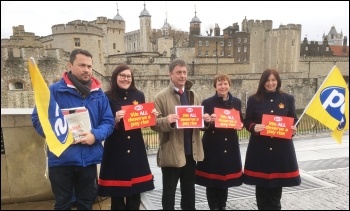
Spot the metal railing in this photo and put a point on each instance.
(307, 125)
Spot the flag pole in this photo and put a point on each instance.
(314, 95)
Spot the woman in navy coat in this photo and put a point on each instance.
(222, 166)
(270, 162)
(125, 171)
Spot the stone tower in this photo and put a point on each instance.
(145, 30)
(195, 28)
(333, 37)
(258, 32)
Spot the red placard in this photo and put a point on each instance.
(277, 126)
(190, 116)
(138, 116)
(227, 118)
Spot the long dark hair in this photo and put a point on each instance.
(260, 93)
(114, 89)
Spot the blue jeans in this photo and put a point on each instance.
(83, 179)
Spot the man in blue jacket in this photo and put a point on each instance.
(76, 167)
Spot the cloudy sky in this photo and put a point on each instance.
(316, 18)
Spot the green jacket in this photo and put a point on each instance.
(171, 152)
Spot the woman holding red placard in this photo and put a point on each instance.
(270, 162)
(125, 172)
(222, 166)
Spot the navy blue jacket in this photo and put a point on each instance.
(125, 170)
(270, 162)
(222, 166)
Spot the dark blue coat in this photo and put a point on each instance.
(125, 170)
(222, 166)
(270, 161)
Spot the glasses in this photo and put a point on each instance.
(123, 76)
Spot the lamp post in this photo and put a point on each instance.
(192, 67)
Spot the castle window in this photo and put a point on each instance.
(200, 43)
(239, 59)
(229, 43)
(16, 85)
(77, 42)
(245, 49)
(229, 53)
(114, 45)
(292, 42)
(239, 40)
(327, 48)
(244, 59)
(206, 43)
(214, 53)
(306, 48)
(99, 44)
(238, 49)
(221, 43)
(199, 53)
(206, 53)
(222, 53)
(245, 40)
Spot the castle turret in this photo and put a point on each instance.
(195, 28)
(145, 30)
(117, 17)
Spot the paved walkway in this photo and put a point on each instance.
(324, 167)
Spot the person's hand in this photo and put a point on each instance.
(119, 115)
(172, 118)
(239, 127)
(206, 117)
(259, 127)
(213, 117)
(155, 112)
(85, 138)
(294, 128)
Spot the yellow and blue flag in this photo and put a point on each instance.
(330, 105)
(55, 126)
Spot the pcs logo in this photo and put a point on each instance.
(333, 101)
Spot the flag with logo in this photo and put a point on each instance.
(330, 105)
(55, 127)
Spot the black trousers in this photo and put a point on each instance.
(171, 176)
(268, 198)
(126, 203)
(216, 198)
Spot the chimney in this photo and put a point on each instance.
(345, 43)
(217, 30)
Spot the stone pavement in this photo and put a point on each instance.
(324, 167)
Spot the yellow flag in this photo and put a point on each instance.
(330, 105)
(55, 127)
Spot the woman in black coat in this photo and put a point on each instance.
(270, 162)
(222, 166)
(125, 171)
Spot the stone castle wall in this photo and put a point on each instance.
(153, 76)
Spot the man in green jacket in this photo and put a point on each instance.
(179, 149)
